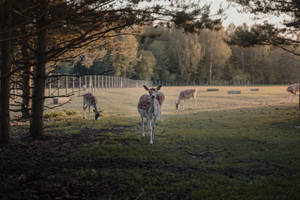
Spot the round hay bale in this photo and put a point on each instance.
(234, 92)
(61, 100)
(254, 89)
(212, 89)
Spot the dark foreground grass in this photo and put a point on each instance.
(251, 153)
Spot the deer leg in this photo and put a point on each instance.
(150, 127)
(142, 125)
(291, 97)
(84, 111)
(160, 116)
(89, 112)
(182, 106)
(153, 128)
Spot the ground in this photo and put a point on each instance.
(239, 146)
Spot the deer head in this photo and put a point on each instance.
(152, 91)
(177, 105)
(97, 114)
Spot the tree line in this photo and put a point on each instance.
(171, 54)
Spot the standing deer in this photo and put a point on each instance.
(185, 95)
(90, 100)
(149, 107)
(293, 89)
(160, 96)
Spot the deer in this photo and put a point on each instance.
(90, 100)
(292, 90)
(185, 95)
(149, 107)
(160, 96)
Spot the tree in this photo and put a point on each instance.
(216, 53)
(178, 54)
(6, 24)
(144, 68)
(285, 38)
(39, 76)
(124, 55)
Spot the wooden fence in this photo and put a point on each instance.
(69, 84)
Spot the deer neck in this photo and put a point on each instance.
(152, 107)
(95, 107)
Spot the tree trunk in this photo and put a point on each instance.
(5, 69)
(39, 77)
(26, 92)
(26, 78)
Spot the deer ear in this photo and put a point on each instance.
(158, 87)
(146, 88)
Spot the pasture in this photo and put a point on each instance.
(226, 146)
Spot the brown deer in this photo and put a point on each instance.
(90, 100)
(149, 107)
(185, 95)
(292, 90)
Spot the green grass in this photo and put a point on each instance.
(226, 147)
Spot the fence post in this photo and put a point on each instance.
(79, 84)
(299, 94)
(109, 82)
(49, 86)
(112, 82)
(73, 84)
(89, 82)
(67, 81)
(94, 82)
(58, 85)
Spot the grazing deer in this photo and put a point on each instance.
(149, 107)
(292, 90)
(185, 95)
(90, 100)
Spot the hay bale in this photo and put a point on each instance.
(234, 92)
(212, 89)
(61, 100)
(254, 89)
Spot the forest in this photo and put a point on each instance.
(171, 54)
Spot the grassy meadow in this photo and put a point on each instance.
(226, 146)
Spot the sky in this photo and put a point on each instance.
(238, 18)
(231, 11)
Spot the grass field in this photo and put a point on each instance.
(241, 146)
